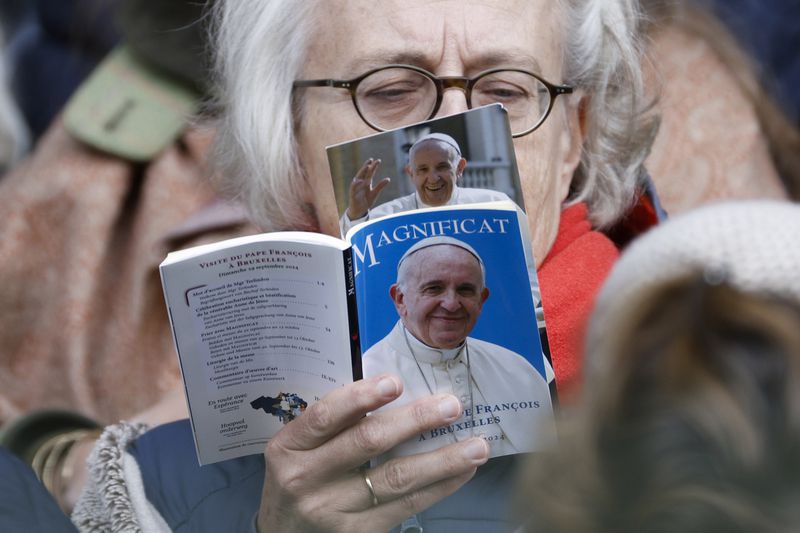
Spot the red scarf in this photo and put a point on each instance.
(569, 278)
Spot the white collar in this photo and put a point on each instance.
(427, 354)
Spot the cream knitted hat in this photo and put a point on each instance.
(754, 244)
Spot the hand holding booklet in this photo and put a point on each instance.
(443, 294)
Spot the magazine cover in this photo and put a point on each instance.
(262, 326)
(445, 300)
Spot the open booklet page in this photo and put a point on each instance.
(447, 299)
(263, 328)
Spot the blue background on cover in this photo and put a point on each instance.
(508, 317)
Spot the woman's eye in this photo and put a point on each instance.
(394, 90)
(503, 92)
(391, 94)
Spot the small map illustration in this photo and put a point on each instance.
(286, 406)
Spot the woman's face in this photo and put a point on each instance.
(448, 38)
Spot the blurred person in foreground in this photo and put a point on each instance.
(691, 418)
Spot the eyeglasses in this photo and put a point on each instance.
(397, 95)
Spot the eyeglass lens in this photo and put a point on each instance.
(396, 97)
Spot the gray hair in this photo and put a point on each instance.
(256, 61)
(603, 57)
(260, 50)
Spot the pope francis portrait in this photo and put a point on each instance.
(439, 295)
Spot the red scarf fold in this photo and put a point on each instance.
(570, 278)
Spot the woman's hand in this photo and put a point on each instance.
(362, 193)
(313, 481)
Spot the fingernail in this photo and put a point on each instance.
(476, 450)
(449, 408)
(387, 387)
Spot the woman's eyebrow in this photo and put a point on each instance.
(518, 58)
(380, 58)
(510, 58)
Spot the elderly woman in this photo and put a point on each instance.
(299, 76)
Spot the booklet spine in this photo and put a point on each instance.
(163, 274)
(352, 313)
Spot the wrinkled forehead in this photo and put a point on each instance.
(447, 37)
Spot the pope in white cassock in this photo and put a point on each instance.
(435, 166)
(439, 294)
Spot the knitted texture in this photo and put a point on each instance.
(105, 504)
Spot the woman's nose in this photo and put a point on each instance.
(454, 100)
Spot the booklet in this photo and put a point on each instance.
(446, 297)
(264, 326)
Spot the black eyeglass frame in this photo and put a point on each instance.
(442, 83)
